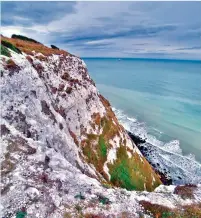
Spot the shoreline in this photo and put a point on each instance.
(173, 168)
(138, 142)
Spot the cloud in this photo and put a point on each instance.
(29, 13)
(109, 28)
(191, 48)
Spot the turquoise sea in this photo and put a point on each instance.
(158, 98)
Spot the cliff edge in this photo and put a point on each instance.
(60, 140)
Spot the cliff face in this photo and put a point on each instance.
(59, 135)
(63, 152)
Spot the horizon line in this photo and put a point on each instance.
(146, 58)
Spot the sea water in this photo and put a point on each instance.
(156, 99)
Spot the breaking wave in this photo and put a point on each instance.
(167, 157)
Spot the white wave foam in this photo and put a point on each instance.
(173, 146)
(183, 169)
(131, 124)
(139, 129)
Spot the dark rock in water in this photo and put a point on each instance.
(136, 139)
(166, 180)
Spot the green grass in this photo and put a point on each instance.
(97, 153)
(102, 147)
(4, 51)
(10, 46)
(21, 214)
(131, 173)
(121, 173)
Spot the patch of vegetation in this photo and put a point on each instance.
(4, 51)
(185, 191)
(107, 185)
(10, 46)
(65, 76)
(29, 59)
(80, 196)
(74, 137)
(92, 215)
(22, 213)
(7, 165)
(41, 58)
(69, 90)
(67, 215)
(12, 67)
(102, 147)
(132, 173)
(159, 211)
(95, 149)
(96, 118)
(14, 36)
(90, 151)
(28, 46)
(11, 64)
(103, 200)
(78, 208)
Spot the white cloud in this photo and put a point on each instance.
(121, 28)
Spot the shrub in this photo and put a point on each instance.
(80, 196)
(69, 90)
(7, 166)
(54, 47)
(61, 87)
(24, 38)
(103, 200)
(4, 51)
(11, 46)
(21, 214)
(65, 76)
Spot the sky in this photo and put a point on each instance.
(109, 29)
